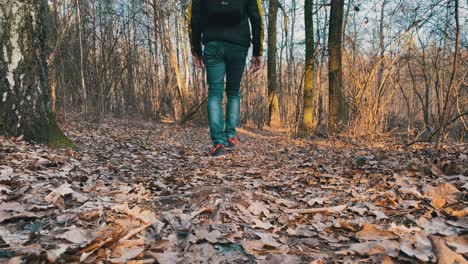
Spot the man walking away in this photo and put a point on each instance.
(223, 28)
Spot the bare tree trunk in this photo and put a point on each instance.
(447, 102)
(82, 75)
(273, 102)
(181, 91)
(308, 119)
(336, 90)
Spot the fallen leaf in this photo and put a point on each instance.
(444, 254)
(5, 173)
(256, 208)
(436, 226)
(417, 245)
(438, 202)
(166, 257)
(316, 200)
(370, 232)
(13, 210)
(359, 210)
(385, 247)
(77, 236)
(211, 237)
(126, 254)
(457, 213)
(281, 259)
(444, 191)
(266, 244)
(54, 254)
(13, 239)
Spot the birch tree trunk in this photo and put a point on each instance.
(24, 104)
(24, 92)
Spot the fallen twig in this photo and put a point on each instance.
(329, 210)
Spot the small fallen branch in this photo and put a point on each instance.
(327, 210)
(134, 232)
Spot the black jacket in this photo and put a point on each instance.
(202, 30)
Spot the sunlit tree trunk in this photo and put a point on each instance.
(273, 102)
(308, 119)
(335, 78)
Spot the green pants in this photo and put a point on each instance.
(223, 61)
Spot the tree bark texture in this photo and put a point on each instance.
(308, 119)
(273, 102)
(336, 91)
(24, 94)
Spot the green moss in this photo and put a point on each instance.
(56, 137)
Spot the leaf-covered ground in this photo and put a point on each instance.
(148, 193)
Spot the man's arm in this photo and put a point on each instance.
(194, 17)
(255, 12)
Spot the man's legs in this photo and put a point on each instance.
(235, 65)
(213, 56)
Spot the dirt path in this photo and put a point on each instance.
(146, 192)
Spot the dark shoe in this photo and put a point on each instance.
(232, 143)
(218, 150)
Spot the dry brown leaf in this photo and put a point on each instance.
(316, 200)
(281, 259)
(370, 232)
(385, 247)
(5, 173)
(348, 225)
(13, 239)
(285, 202)
(77, 235)
(444, 190)
(266, 244)
(438, 202)
(417, 245)
(260, 224)
(359, 210)
(302, 230)
(54, 254)
(259, 247)
(211, 237)
(13, 210)
(436, 226)
(458, 247)
(387, 260)
(57, 196)
(166, 257)
(457, 213)
(125, 254)
(161, 245)
(256, 208)
(458, 243)
(444, 254)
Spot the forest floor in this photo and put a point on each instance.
(136, 192)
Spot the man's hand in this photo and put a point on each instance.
(197, 60)
(256, 63)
